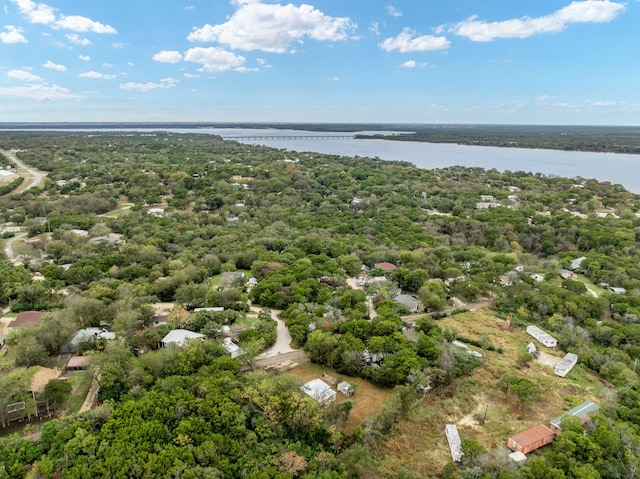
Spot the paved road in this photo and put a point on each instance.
(37, 176)
(283, 340)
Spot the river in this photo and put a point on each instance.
(614, 167)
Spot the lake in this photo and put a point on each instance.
(615, 167)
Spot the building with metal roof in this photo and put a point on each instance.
(531, 439)
(583, 412)
(565, 365)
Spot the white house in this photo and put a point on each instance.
(320, 391)
(180, 337)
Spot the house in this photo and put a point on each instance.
(385, 266)
(486, 205)
(565, 365)
(576, 264)
(230, 278)
(78, 363)
(109, 239)
(157, 212)
(27, 319)
(455, 444)
(320, 391)
(180, 337)
(411, 302)
(41, 378)
(583, 412)
(372, 358)
(566, 274)
(546, 339)
(531, 348)
(531, 439)
(84, 336)
(505, 281)
(537, 277)
(232, 347)
(620, 291)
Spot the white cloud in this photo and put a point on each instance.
(146, 87)
(98, 75)
(54, 66)
(214, 59)
(45, 14)
(84, 58)
(588, 11)
(41, 92)
(413, 64)
(12, 35)
(406, 42)
(374, 28)
(334, 78)
(273, 27)
(190, 8)
(168, 56)
(36, 12)
(78, 23)
(393, 11)
(191, 75)
(119, 45)
(78, 40)
(23, 75)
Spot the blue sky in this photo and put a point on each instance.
(404, 61)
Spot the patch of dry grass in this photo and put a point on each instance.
(367, 400)
(419, 444)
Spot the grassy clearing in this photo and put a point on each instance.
(419, 444)
(587, 282)
(367, 400)
(81, 383)
(122, 209)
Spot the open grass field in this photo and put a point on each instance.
(367, 400)
(419, 444)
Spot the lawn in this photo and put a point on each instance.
(367, 399)
(420, 446)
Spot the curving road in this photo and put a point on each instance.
(12, 257)
(283, 340)
(37, 176)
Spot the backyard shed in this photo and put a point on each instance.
(541, 336)
(345, 388)
(565, 365)
(583, 412)
(455, 444)
(320, 391)
(79, 363)
(531, 439)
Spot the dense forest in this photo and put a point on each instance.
(124, 222)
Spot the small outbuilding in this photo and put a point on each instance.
(620, 291)
(455, 444)
(320, 391)
(345, 388)
(583, 412)
(517, 457)
(385, 266)
(531, 439)
(411, 302)
(232, 347)
(541, 336)
(78, 363)
(565, 365)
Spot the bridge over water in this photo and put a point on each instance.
(288, 137)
